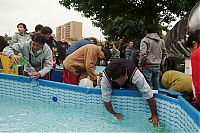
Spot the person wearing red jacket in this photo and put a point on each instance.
(193, 43)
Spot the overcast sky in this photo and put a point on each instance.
(46, 12)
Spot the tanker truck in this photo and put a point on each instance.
(175, 40)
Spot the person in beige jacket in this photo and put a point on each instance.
(81, 63)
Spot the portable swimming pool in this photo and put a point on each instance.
(51, 106)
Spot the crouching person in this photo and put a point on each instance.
(179, 82)
(120, 74)
(36, 52)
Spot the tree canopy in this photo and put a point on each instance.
(129, 18)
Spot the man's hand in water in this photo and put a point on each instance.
(118, 116)
(154, 119)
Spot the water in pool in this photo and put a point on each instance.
(18, 115)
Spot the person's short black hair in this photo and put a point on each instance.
(92, 40)
(193, 36)
(107, 53)
(39, 38)
(116, 69)
(23, 26)
(3, 43)
(152, 28)
(38, 27)
(46, 30)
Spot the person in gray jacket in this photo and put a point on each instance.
(22, 35)
(19, 37)
(152, 54)
(36, 52)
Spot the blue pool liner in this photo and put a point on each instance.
(179, 100)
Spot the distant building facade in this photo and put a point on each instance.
(71, 31)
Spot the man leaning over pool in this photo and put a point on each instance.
(127, 74)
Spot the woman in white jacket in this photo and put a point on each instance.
(21, 35)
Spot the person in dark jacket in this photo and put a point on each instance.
(62, 47)
(115, 53)
(122, 47)
(131, 53)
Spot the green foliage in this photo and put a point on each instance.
(7, 38)
(129, 18)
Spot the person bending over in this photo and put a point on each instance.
(36, 52)
(126, 75)
(82, 63)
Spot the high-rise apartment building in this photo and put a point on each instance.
(69, 31)
(58, 33)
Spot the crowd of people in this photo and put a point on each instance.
(39, 48)
(136, 68)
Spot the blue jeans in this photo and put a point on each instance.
(152, 75)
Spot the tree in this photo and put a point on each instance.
(129, 17)
(8, 38)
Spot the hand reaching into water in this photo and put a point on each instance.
(36, 75)
(109, 108)
(118, 116)
(154, 119)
